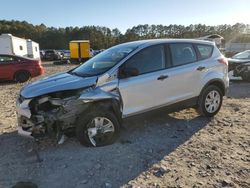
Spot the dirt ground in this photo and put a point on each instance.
(179, 149)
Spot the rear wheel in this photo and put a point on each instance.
(22, 76)
(97, 128)
(210, 101)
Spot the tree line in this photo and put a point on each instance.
(104, 37)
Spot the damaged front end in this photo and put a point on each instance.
(50, 114)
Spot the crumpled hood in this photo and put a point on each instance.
(57, 82)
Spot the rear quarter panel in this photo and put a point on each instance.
(215, 71)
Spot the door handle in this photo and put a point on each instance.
(201, 68)
(162, 77)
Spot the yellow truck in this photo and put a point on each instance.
(79, 50)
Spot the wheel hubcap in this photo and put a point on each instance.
(212, 101)
(100, 129)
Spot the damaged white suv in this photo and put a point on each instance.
(123, 81)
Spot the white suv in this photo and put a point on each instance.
(122, 81)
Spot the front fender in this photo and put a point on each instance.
(106, 91)
(106, 96)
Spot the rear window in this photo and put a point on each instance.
(204, 50)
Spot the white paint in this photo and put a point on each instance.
(12, 45)
(33, 49)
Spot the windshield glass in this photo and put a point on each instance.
(104, 61)
(242, 55)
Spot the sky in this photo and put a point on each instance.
(124, 14)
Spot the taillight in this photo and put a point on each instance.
(36, 63)
(223, 61)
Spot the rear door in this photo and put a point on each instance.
(184, 75)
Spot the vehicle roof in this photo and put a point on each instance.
(160, 41)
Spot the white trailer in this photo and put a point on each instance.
(33, 49)
(12, 45)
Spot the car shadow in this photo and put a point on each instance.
(239, 89)
(3, 83)
(144, 141)
(14, 83)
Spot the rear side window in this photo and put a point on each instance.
(205, 51)
(148, 60)
(182, 54)
(6, 59)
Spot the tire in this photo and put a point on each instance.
(207, 108)
(22, 76)
(85, 128)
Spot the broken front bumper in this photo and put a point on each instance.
(60, 116)
(24, 126)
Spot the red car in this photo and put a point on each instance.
(19, 68)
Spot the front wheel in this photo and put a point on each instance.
(97, 128)
(210, 101)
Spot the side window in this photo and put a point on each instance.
(148, 60)
(182, 54)
(6, 59)
(204, 50)
(21, 47)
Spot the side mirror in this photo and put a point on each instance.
(128, 72)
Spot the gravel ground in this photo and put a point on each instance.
(179, 149)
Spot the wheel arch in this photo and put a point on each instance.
(21, 70)
(217, 82)
(108, 104)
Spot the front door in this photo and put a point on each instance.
(148, 89)
(185, 73)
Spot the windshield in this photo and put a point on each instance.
(104, 61)
(242, 55)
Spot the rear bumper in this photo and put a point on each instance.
(37, 71)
